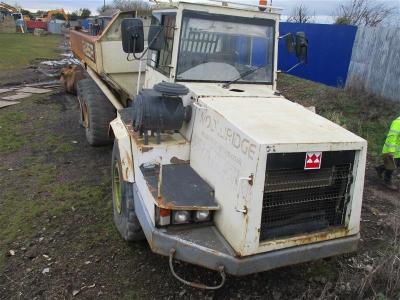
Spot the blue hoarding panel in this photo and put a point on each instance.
(254, 48)
(329, 52)
(85, 24)
(259, 59)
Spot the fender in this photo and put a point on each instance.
(125, 149)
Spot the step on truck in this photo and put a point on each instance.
(211, 165)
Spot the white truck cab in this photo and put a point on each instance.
(211, 164)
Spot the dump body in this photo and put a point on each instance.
(104, 55)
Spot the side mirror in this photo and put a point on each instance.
(290, 43)
(132, 35)
(302, 47)
(156, 37)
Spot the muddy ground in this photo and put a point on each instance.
(57, 239)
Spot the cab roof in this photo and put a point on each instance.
(226, 5)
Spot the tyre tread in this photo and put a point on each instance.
(101, 112)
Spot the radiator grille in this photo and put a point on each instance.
(298, 201)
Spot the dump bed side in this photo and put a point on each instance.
(83, 47)
(105, 56)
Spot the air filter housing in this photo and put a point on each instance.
(160, 109)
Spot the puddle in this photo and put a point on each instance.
(62, 62)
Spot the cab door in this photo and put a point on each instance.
(159, 63)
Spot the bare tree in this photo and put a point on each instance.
(141, 6)
(363, 13)
(301, 14)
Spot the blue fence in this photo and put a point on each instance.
(329, 52)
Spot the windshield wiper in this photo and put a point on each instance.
(241, 76)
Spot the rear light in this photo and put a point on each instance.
(163, 216)
(165, 212)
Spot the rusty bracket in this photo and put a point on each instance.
(242, 210)
(250, 181)
(195, 284)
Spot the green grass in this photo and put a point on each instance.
(48, 198)
(12, 136)
(54, 143)
(357, 111)
(35, 190)
(20, 50)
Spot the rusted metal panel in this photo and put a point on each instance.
(104, 54)
(125, 149)
(303, 239)
(207, 247)
(83, 46)
(173, 145)
(179, 187)
(89, 50)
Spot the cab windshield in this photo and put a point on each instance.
(218, 48)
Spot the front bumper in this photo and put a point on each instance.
(206, 247)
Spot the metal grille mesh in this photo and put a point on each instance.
(299, 201)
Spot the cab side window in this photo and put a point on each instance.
(161, 60)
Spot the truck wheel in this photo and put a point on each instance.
(123, 202)
(97, 112)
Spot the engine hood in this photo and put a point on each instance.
(232, 141)
(276, 120)
(234, 91)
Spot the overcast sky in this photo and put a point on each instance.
(323, 9)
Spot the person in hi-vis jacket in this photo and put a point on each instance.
(390, 154)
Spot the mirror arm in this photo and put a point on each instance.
(134, 54)
(145, 50)
(285, 35)
(294, 67)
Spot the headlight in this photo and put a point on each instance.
(181, 217)
(202, 215)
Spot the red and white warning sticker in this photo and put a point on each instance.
(313, 161)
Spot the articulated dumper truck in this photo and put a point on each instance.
(211, 165)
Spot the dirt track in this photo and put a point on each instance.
(55, 203)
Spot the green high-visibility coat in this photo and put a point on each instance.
(392, 143)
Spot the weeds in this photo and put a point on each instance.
(384, 280)
(11, 134)
(356, 110)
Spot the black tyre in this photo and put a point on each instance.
(97, 112)
(125, 218)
